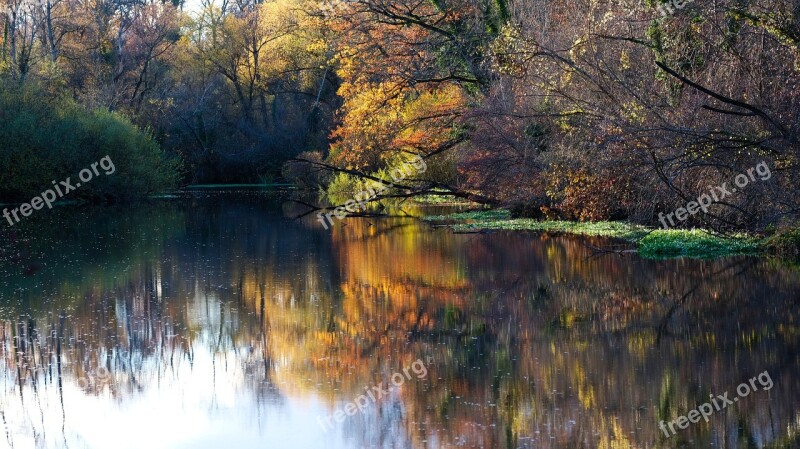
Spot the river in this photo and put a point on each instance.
(215, 320)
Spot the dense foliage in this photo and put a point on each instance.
(45, 139)
(569, 109)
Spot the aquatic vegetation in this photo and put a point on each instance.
(501, 220)
(696, 243)
(651, 243)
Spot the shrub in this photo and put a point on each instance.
(45, 138)
(786, 242)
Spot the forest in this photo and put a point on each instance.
(224, 221)
(576, 110)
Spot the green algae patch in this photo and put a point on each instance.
(486, 220)
(651, 243)
(696, 243)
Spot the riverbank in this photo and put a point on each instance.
(648, 242)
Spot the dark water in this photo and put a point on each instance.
(214, 321)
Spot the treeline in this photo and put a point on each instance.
(574, 109)
(578, 109)
(232, 89)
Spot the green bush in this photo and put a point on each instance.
(786, 242)
(45, 138)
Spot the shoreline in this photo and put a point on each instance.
(650, 243)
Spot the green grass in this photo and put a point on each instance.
(651, 243)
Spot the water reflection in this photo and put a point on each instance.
(216, 322)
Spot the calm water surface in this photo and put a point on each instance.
(214, 321)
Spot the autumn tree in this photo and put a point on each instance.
(645, 111)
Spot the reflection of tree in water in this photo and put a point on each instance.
(534, 343)
(127, 339)
(554, 348)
